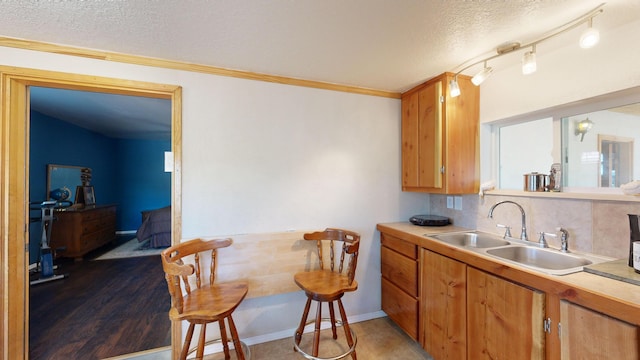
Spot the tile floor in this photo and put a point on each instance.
(377, 339)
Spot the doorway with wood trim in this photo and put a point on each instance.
(14, 173)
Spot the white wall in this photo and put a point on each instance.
(532, 142)
(265, 157)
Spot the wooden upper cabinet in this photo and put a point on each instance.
(440, 137)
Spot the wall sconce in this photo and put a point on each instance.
(582, 127)
(588, 39)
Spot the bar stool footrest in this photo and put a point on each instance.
(245, 348)
(337, 357)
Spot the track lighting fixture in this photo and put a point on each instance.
(590, 36)
(588, 39)
(529, 61)
(482, 75)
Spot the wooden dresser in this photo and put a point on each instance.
(83, 230)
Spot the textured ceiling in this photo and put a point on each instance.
(388, 45)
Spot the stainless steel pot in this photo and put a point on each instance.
(536, 182)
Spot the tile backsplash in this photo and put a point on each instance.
(594, 226)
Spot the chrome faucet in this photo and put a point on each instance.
(564, 240)
(523, 234)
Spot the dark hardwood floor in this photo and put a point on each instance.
(102, 309)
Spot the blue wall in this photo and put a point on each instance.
(128, 173)
(142, 182)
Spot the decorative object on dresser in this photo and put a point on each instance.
(62, 178)
(81, 230)
(85, 195)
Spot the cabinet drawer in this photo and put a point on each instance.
(400, 269)
(402, 246)
(400, 307)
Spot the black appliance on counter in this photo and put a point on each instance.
(429, 220)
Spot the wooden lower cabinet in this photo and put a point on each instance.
(587, 334)
(504, 319)
(443, 306)
(399, 268)
(457, 311)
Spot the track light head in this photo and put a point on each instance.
(590, 36)
(482, 75)
(529, 61)
(454, 89)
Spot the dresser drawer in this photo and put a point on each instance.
(92, 225)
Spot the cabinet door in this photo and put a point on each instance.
(443, 304)
(504, 320)
(430, 136)
(587, 334)
(462, 140)
(410, 141)
(422, 138)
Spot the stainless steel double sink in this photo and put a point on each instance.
(519, 252)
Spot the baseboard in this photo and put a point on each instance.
(158, 353)
(126, 232)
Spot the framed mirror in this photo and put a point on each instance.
(60, 177)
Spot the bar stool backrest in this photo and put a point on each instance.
(181, 276)
(350, 242)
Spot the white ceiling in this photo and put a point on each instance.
(389, 45)
(116, 116)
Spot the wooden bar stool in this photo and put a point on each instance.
(203, 301)
(329, 285)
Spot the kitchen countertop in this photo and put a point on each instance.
(613, 297)
(617, 269)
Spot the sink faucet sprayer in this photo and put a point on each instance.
(523, 234)
(564, 240)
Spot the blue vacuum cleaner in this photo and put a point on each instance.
(45, 263)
